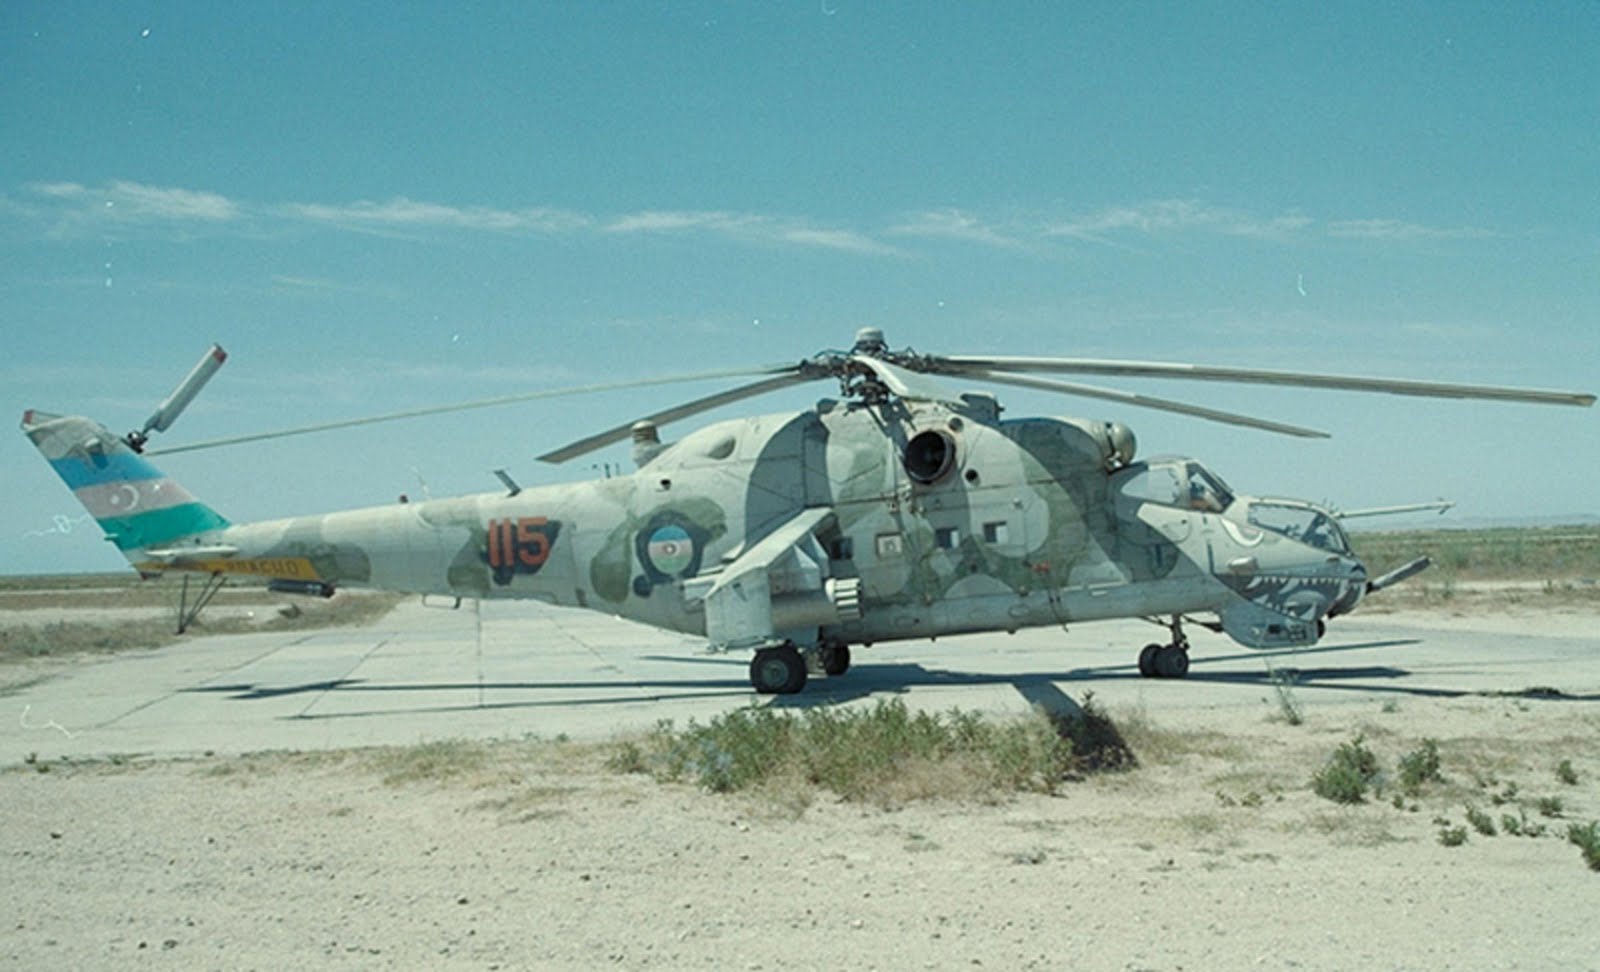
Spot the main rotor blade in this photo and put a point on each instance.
(620, 432)
(1147, 401)
(465, 406)
(906, 384)
(960, 364)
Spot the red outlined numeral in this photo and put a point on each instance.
(521, 543)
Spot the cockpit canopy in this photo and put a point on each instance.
(1188, 485)
(1180, 483)
(1302, 522)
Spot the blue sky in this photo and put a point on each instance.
(382, 206)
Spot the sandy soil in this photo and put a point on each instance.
(1213, 853)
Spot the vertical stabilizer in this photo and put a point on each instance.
(135, 504)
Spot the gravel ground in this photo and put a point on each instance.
(1213, 853)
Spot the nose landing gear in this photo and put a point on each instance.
(1169, 660)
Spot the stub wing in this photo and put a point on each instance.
(777, 588)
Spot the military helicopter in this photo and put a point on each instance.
(898, 510)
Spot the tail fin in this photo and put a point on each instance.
(137, 506)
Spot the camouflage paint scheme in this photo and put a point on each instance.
(1025, 522)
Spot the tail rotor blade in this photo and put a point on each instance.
(175, 403)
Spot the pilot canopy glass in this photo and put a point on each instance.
(1181, 483)
(1306, 524)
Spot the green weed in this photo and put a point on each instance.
(1481, 822)
(884, 753)
(1347, 774)
(1520, 825)
(628, 758)
(1587, 837)
(1566, 774)
(1288, 705)
(1420, 766)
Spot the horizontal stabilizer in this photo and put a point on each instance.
(171, 555)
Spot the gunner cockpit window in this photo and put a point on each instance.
(1303, 523)
(1182, 483)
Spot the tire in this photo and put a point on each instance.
(1172, 662)
(1147, 660)
(835, 659)
(778, 671)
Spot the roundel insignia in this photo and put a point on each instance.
(669, 547)
(670, 550)
(125, 499)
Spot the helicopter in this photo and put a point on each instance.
(900, 509)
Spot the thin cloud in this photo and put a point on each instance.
(1173, 216)
(71, 208)
(58, 190)
(954, 224)
(134, 201)
(401, 212)
(749, 227)
(670, 221)
(1394, 229)
(156, 202)
(834, 239)
(291, 284)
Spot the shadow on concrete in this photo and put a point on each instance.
(1040, 689)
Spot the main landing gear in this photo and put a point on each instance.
(1169, 660)
(782, 669)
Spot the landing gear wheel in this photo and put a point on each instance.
(1171, 661)
(1147, 660)
(778, 671)
(835, 659)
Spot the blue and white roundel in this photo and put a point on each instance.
(670, 549)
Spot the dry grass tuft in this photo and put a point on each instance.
(885, 755)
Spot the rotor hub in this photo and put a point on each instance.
(869, 340)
